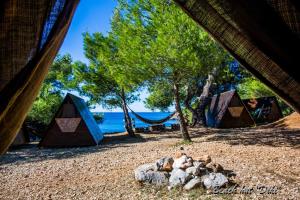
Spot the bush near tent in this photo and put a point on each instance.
(264, 109)
(227, 110)
(73, 125)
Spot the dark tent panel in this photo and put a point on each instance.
(264, 109)
(21, 138)
(263, 35)
(228, 111)
(73, 125)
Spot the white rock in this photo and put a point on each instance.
(191, 170)
(197, 171)
(189, 159)
(186, 165)
(195, 182)
(214, 180)
(142, 169)
(179, 162)
(147, 173)
(165, 164)
(178, 177)
(198, 164)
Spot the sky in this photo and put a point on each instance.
(93, 16)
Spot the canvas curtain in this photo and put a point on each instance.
(263, 35)
(31, 33)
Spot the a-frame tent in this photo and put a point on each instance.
(228, 111)
(73, 125)
(264, 109)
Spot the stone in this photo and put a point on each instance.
(165, 164)
(191, 170)
(198, 163)
(189, 159)
(206, 159)
(156, 177)
(147, 173)
(178, 177)
(196, 171)
(179, 154)
(193, 183)
(215, 167)
(202, 171)
(179, 162)
(186, 165)
(214, 180)
(168, 166)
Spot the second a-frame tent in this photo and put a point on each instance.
(228, 111)
(264, 109)
(73, 125)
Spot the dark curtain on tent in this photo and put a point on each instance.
(263, 35)
(31, 32)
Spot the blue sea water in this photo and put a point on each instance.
(114, 121)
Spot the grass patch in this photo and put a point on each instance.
(183, 143)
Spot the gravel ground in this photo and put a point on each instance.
(269, 157)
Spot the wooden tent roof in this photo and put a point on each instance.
(228, 111)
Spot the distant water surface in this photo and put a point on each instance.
(114, 121)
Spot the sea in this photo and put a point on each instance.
(113, 122)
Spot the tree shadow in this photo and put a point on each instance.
(276, 137)
(156, 136)
(32, 153)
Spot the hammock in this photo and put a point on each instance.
(153, 122)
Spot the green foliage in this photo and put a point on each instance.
(161, 46)
(253, 88)
(98, 117)
(96, 79)
(44, 108)
(161, 96)
(60, 74)
(50, 96)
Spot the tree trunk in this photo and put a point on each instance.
(187, 103)
(183, 127)
(204, 98)
(128, 123)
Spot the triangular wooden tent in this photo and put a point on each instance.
(73, 125)
(264, 109)
(228, 111)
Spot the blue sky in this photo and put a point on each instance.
(93, 16)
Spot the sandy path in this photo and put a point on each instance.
(258, 156)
